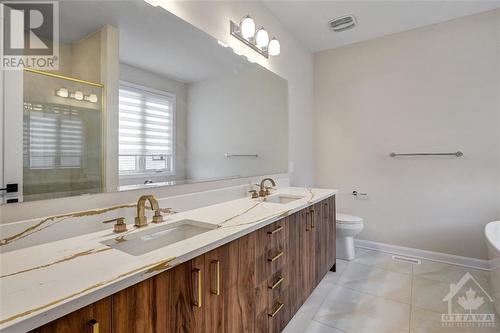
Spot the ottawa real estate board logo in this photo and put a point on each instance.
(30, 35)
(469, 305)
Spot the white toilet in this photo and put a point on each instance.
(348, 226)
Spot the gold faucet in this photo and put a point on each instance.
(264, 190)
(140, 219)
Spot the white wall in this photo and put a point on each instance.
(294, 64)
(432, 89)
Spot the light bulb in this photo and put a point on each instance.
(78, 95)
(247, 27)
(274, 47)
(92, 98)
(262, 38)
(63, 92)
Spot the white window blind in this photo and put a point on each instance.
(53, 137)
(146, 130)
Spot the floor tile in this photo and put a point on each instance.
(429, 295)
(449, 273)
(313, 327)
(377, 281)
(352, 311)
(424, 321)
(383, 260)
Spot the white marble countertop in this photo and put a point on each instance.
(41, 283)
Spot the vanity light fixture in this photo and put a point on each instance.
(256, 40)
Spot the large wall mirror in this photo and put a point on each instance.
(140, 98)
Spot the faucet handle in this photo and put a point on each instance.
(157, 218)
(119, 226)
(268, 188)
(254, 194)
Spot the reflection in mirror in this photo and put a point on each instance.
(140, 99)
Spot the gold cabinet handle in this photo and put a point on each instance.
(279, 254)
(197, 303)
(275, 230)
(216, 291)
(277, 283)
(94, 326)
(276, 310)
(312, 218)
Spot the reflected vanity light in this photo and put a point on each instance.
(256, 40)
(63, 92)
(92, 98)
(77, 95)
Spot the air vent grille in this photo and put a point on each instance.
(406, 259)
(342, 23)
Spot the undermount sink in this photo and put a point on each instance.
(146, 241)
(282, 198)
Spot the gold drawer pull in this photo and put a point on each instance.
(279, 254)
(312, 218)
(197, 303)
(216, 291)
(277, 283)
(276, 310)
(94, 326)
(275, 230)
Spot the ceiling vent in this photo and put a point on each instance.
(342, 23)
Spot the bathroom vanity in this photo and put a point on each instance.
(249, 272)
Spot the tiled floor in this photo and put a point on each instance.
(376, 294)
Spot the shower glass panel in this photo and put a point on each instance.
(62, 136)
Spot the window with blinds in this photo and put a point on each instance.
(53, 136)
(146, 142)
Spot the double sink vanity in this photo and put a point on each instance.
(244, 265)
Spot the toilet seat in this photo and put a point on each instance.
(348, 219)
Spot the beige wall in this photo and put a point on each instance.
(430, 89)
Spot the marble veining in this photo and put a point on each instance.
(79, 269)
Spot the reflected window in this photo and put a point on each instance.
(146, 142)
(53, 136)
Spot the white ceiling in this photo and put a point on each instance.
(308, 20)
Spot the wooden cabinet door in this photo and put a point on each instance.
(83, 320)
(186, 303)
(296, 262)
(321, 238)
(133, 309)
(309, 253)
(215, 286)
(238, 288)
(331, 221)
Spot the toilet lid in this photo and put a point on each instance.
(344, 218)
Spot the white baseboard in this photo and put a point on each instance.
(423, 254)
